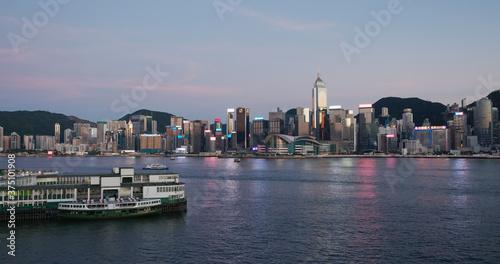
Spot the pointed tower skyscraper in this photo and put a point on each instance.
(319, 107)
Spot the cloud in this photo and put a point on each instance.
(287, 24)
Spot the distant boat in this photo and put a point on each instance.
(172, 158)
(155, 166)
(237, 160)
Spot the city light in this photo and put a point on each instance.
(230, 110)
(389, 136)
(365, 106)
(459, 113)
(333, 107)
(217, 120)
(259, 118)
(430, 127)
(213, 138)
(208, 131)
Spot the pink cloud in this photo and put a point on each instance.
(287, 24)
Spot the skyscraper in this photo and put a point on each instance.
(101, 131)
(301, 121)
(242, 127)
(367, 127)
(1, 138)
(482, 122)
(15, 141)
(230, 121)
(319, 108)
(57, 132)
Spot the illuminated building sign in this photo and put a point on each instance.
(333, 107)
(389, 136)
(430, 127)
(208, 131)
(179, 136)
(228, 136)
(218, 129)
(365, 106)
(230, 110)
(259, 118)
(459, 113)
(174, 128)
(213, 138)
(217, 120)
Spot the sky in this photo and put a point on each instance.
(99, 60)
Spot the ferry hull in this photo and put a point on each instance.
(108, 215)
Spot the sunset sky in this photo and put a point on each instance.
(90, 58)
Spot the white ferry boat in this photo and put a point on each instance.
(155, 166)
(109, 209)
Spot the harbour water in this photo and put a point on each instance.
(346, 210)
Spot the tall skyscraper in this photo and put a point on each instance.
(1, 138)
(68, 136)
(101, 131)
(319, 108)
(243, 127)
(57, 132)
(15, 141)
(367, 127)
(301, 122)
(460, 127)
(482, 122)
(230, 121)
(277, 122)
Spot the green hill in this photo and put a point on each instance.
(421, 109)
(162, 118)
(36, 122)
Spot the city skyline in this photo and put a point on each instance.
(257, 54)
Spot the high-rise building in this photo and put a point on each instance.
(230, 121)
(1, 138)
(337, 116)
(243, 127)
(15, 141)
(217, 127)
(407, 124)
(301, 122)
(68, 136)
(57, 132)
(367, 127)
(101, 131)
(150, 143)
(385, 112)
(260, 129)
(460, 130)
(495, 125)
(483, 122)
(196, 136)
(277, 122)
(319, 109)
(29, 142)
(6, 142)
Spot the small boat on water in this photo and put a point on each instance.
(172, 158)
(109, 209)
(155, 166)
(237, 160)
